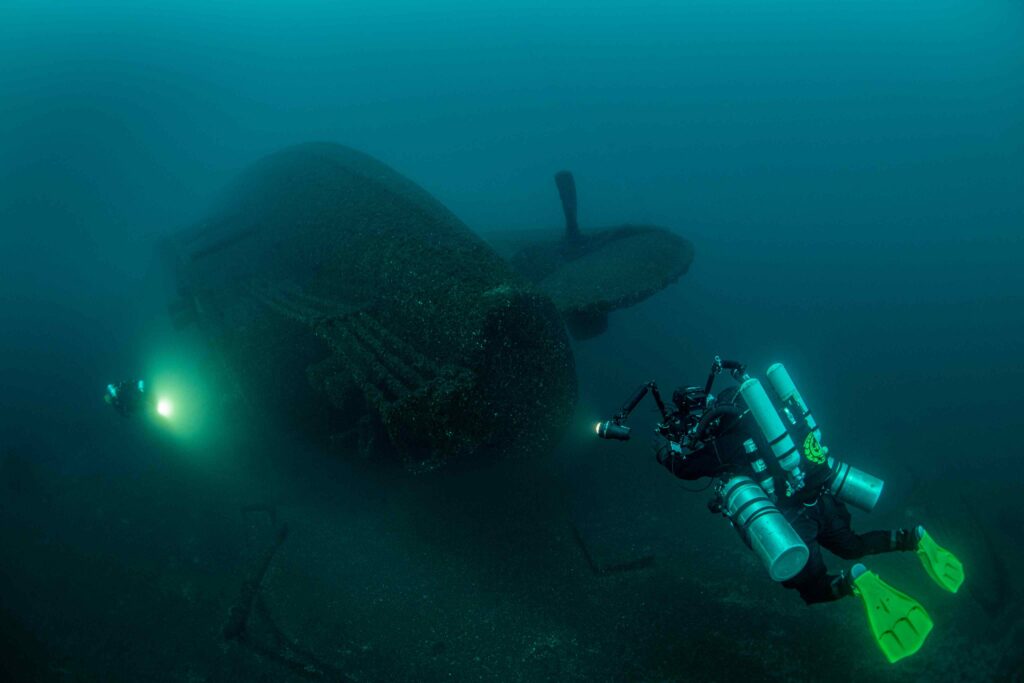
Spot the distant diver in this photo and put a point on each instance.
(786, 495)
(130, 397)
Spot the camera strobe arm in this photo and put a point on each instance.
(657, 399)
(615, 427)
(638, 396)
(737, 369)
(632, 403)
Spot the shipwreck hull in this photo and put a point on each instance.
(345, 298)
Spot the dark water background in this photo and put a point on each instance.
(852, 175)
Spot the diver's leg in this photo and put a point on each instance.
(814, 583)
(839, 537)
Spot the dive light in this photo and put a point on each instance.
(609, 429)
(164, 408)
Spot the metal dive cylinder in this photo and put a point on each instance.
(761, 471)
(761, 524)
(847, 483)
(854, 486)
(774, 431)
(786, 390)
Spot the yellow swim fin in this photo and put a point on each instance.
(941, 565)
(898, 622)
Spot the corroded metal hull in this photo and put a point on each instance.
(345, 298)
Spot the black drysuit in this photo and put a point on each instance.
(817, 517)
(825, 523)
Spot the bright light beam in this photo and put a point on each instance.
(164, 407)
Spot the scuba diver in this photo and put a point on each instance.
(787, 495)
(128, 397)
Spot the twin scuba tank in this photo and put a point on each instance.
(749, 502)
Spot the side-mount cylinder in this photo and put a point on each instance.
(761, 472)
(774, 431)
(854, 486)
(784, 387)
(761, 524)
(848, 484)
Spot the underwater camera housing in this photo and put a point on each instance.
(674, 426)
(689, 424)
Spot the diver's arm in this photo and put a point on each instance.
(691, 466)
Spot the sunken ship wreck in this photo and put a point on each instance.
(344, 299)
